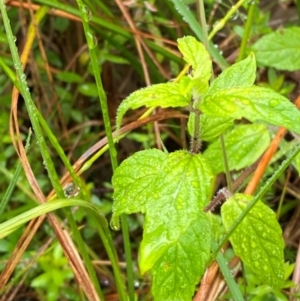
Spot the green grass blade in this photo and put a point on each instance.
(32, 111)
(14, 223)
(112, 150)
(12, 183)
(246, 35)
(221, 23)
(233, 286)
(108, 26)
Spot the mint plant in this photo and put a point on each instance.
(173, 189)
(279, 49)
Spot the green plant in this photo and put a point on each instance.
(55, 274)
(181, 237)
(173, 189)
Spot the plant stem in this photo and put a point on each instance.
(32, 112)
(298, 10)
(233, 286)
(225, 160)
(92, 43)
(203, 23)
(196, 138)
(14, 179)
(220, 24)
(246, 35)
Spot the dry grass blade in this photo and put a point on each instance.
(69, 250)
(19, 249)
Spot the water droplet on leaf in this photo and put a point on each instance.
(87, 14)
(274, 103)
(71, 190)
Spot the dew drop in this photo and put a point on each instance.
(23, 77)
(235, 16)
(87, 14)
(113, 225)
(273, 103)
(243, 17)
(136, 284)
(17, 66)
(91, 40)
(71, 190)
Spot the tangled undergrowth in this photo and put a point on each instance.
(60, 147)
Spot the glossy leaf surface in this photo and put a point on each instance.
(279, 49)
(253, 103)
(177, 272)
(210, 127)
(257, 240)
(133, 181)
(244, 145)
(175, 192)
(163, 95)
(195, 54)
(241, 74)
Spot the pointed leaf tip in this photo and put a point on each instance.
(195, 54)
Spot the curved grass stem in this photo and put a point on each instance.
(92, 43)
(246, 35)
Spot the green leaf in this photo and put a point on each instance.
(195, 54)
(279, 49)
(41, 280)
(176, 189)
(69, 77)
(15, 222)
(177, 272)
(210, 127)
(164, 95)
(296, 163)
(253, 103)
(257, 240)
(88, 89)
(132, 180)
(197, 86)
(189, 17)
(244, 145)
(181, 192)
(241, 74)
